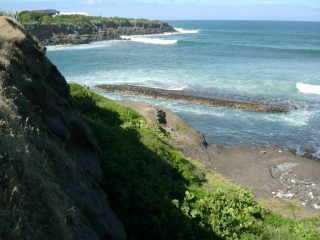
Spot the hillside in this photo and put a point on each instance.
(73, 148)
(77, 29)
(50, 171)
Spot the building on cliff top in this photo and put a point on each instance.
(50, 12)
(74, 13)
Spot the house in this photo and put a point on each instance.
(74, 13)
(49, 12)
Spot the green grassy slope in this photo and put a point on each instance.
(160, 194)
(27, 17)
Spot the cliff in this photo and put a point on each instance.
(76, 29)
(50, 171)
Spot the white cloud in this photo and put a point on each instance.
(268, 2)
(91, 2)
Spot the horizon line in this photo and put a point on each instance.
(244, 20)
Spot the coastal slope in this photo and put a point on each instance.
(50, 170)
(64, 149)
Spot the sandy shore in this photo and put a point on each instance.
(283, 181)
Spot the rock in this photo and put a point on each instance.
(286, 195)
(286, 166)
(190, 97)
(275, 172)
(204, 141)
(85, 32)
(307, 151)
(161, 115)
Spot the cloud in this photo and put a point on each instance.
(91, 2)
(268, 2)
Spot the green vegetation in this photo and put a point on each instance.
(29, 17)
(160, 194)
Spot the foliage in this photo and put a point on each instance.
(159, 194)
(30, 17)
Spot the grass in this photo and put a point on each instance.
(160, 194)
(29, 17)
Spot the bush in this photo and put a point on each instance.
(30, 17)
(160, 194)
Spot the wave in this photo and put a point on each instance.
(308, 88)
(187, 31)
(66, 47)
(179, 31)
(298, 118)
(154, 41)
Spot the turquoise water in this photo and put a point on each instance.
(238, 59)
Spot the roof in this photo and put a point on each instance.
(46, 11)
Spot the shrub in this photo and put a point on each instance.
(160, 194)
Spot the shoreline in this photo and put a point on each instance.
(305, 151)
(176, 31)
(277, 177)
(90, 30)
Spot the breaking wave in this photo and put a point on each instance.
(100, 44)
(308, 88)
(155, 41)
(187, 31)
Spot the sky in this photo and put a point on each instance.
(292, 10)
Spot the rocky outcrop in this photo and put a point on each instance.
(49, 162)
(182, 136)
(189, 97)
(57, 34)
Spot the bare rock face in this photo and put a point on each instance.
(81, 33)
(49, 162)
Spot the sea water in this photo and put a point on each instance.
(256, 60)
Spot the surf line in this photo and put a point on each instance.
(308, 88)
(185, 96)
(147, 40)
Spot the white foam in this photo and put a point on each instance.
(145, 40)
(298, 118)
(179, 31)
(187, 31)
(199, 111)
(100, 44)
(316, 155)
(308, 88)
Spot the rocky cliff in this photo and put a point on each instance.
(49, 162)
(85, 30)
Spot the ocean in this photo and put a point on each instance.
(257, 60)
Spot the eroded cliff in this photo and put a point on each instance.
(49, 162)
(76, 29)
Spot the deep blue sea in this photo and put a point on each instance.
(268, 61)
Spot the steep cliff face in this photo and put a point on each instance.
(79, 33)
(49, 162)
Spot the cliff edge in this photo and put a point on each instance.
(50, 169)
(77, 29)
